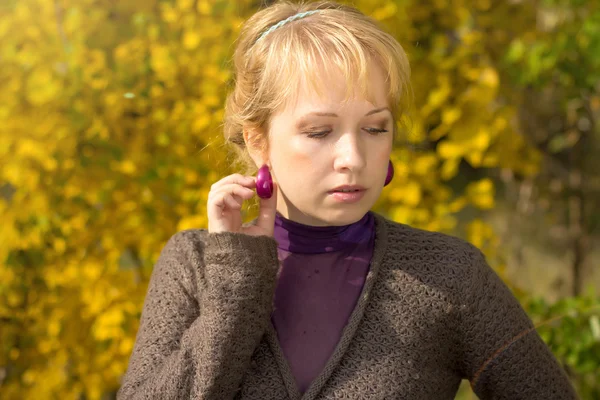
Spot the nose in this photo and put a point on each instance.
(349, 154)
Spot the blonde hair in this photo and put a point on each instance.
(268, 72)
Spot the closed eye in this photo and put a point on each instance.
(322, 134)
(376, 131)
(317, 135)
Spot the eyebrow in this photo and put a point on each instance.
(329, 114)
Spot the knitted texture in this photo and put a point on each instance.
(432, 312)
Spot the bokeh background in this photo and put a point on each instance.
(111, 135)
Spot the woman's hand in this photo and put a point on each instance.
(225, 203)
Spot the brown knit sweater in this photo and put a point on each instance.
(431, 313)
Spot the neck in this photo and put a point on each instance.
(335, 217)
(287, 210)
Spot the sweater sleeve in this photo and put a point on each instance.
(503, 355)
(206, 309)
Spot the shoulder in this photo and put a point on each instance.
(411, 240)
(440, 261)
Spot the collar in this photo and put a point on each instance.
(299, 238)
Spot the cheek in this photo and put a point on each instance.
(292, 158)
(301, 152)
(383, 155)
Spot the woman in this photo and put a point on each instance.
(320, 298)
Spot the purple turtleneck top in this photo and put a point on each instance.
(323, 270)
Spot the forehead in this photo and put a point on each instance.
(329, 90)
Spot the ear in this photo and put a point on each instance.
(256, 147)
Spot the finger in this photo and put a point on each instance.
(246, 181)
(266, 214)
(232, 202)
(217, 200)
(215, 208)
(223, 201)
(235, 189)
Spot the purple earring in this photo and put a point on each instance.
(390, 174)
(264, 183)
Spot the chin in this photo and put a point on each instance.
(343, 215)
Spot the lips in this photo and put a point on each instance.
(354, 195)
(347, 189)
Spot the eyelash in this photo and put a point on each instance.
(320, 135)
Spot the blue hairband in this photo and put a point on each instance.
(285, 21)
